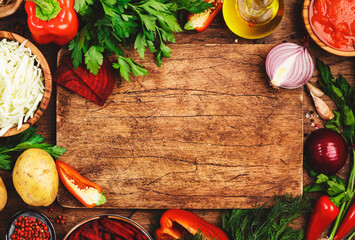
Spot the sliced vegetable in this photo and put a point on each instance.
(324, 213)
(289, 65)
(88, 193)
(21, 84)
(96, 88)
(189, 222)
(52, 20)
(200, 21)
(326, 151)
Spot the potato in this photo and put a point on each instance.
(35, 177)
(3, 195)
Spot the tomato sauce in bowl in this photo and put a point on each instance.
(333, 21)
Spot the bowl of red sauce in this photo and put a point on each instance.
(331, 24)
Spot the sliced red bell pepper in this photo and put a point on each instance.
(190, 222)
(324, 213)
(200, 21)
(52, 20)
(88, 193)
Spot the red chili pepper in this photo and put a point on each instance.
(347, 224)
(88, 193)
(52, 20)
(200, 21)
(189, 221)
(324, 213)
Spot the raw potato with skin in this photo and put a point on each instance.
(3, 195)
(35, 177)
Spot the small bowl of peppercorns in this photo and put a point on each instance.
(30, 225)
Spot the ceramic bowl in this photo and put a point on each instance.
(305, 13)
(10, 9)
(34, 214)
(118, 218)
(47, 82)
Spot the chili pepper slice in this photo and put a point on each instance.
(324, 213)
(52, 20)
(88, 193)
(190, 222)
(347, 224)
(200, 21)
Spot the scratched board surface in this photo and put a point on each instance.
(203, 131)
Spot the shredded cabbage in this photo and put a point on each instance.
(21, 84)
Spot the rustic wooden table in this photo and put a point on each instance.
(291, 29)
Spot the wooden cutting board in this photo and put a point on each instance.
(203, 131)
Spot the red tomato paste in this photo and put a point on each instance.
(333, 21)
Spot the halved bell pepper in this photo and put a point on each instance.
(52, 20)
(88, 193)
(200, 21)
(189, 222)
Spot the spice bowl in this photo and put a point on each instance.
(40, 224)
(47, 82)
(108, 224)
(10, 7)
(306, 18)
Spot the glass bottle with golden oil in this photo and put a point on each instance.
(253, 19)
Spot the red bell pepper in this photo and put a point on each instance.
(200, 21)
(88, 193)
(324, 213)
(347, 224)
(190, 222)
(52, 21)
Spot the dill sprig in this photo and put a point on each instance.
(270, 221)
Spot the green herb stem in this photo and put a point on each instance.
(346, 204)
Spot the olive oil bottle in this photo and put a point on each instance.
(253, 19)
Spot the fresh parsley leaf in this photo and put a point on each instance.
(343, 96)
(23, 141)
(127, 65)
(94, 58)
(140, 44)
(5, 162)
(77, 54)
(123, 66)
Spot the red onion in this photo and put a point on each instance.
(326, 151)
(289, 65)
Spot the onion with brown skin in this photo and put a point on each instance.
(326, 151)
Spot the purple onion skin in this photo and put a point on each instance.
(326, 151)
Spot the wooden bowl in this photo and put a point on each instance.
(47, 83)
(305, 13)
(10, 8)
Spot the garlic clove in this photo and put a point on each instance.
(314, 90)
(322, 108)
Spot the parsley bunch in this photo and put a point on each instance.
(23, 141)
(109, 26)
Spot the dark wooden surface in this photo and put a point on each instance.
(206, 119)
(291, 29)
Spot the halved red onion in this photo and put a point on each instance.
(289, 65)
